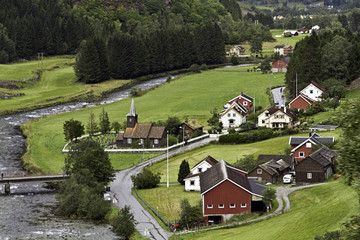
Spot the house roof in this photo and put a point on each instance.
(323, 156)
(268, 169)
(284, 110)
(318, 85)
(324, 127)
(265, 158)
(141, 130)
(156, 132)
(120, 136)
(209, 159)
(314, 137)
(286, 60)
(306, 98)
(220, 172)
(190, 175)
(132, 111)
(237, 107)
(279, 46)
(239, 47)
(242, 95)
(192, 123)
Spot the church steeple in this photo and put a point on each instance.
(132, 117)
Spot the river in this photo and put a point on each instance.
(27, 212)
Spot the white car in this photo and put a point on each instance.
(107, 197)
(288, 178)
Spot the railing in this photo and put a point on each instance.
(166, 222)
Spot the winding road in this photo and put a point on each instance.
(121, 188)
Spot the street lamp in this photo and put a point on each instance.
(167, 158)
(142, 142)
(183, 139)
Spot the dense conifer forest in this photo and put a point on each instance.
(125, 39)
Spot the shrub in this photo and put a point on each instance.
(203, 67)
(232, 130)
(194, 68)
(197, 133)
(172, 140)
(124, 223)
(146, 179)
(235, 60)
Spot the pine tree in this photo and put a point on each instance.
(91, 127)
(184, 170)
(104, 122)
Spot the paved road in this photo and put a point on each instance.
(121, 188)
(279, 97)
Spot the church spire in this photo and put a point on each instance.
(132, 112)
(132, 117)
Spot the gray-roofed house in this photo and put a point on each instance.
(303, 146)
(271, 168)
(317, 167)
(319, 127)
(225, 192)
(139, 131)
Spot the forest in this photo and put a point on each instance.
(131, 39)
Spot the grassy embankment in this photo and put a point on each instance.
(57, 84)
(192, 96)
(313, 212)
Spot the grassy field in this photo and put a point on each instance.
(313, 212)
(163, 198)
(57, 84)
(192, 96)
(229, 153)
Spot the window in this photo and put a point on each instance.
(229, 115)
(234, 114)
(243, 205)
(130, 119)
(263, 121)
(231, 121)
(221, 205)
(156, 141)
(308, 145)
(311, 91)
(209, 206)
(192, 182)
(129, 141)
(309, 175)
(301, 154)
(259, 171)
(245, 103)
(232, 205)
(199, 169)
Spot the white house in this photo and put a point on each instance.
(192, 181)
(277, 118)
(233, 116)
(237, 50)
(313, 91)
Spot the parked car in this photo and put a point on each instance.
(107, 197)
(288, 178)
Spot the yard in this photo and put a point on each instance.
(192, 96)
(313, 212)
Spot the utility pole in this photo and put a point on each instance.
(296, 80)
(167, 159)
(254, 102)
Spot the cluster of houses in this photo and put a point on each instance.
(227, 190)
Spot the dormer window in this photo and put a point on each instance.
(311, 91)
(200, 169)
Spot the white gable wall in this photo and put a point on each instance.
(192, 187)
(236, 118)
(203, 166)
(312, 92)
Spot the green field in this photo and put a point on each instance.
(313, 212)
(192, 96)
(57, 84)
(229, 153)
(162, 199)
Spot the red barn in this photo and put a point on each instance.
(301, 102)
(280, 65)
(225, 192)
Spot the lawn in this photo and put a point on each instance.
(162, 199)
(192, 96)
(57, 84)
(313, 212)
(229, 153)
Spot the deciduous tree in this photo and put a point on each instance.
(73, 129)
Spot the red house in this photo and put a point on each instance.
(225, 192)
(280, 65)
(243, 99)
(303, 146)
(301, 102)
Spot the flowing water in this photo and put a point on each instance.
(27, 212)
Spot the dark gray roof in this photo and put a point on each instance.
(256, 187)
(268, 169)
(323, 127)
(314, 137)
(221, 171)
(265, 158)
(190, 175)
(247, 96)
(324, 156)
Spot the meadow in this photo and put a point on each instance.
(313, 212)
(192, 96)
(57, 84)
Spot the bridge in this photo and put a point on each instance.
(27, 179)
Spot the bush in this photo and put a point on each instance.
(189, 215)
(172, 140)
(194, 68)
(203, 67)
(235, 60)
(124, 223)
(248, 137)
(232, 130)
(197, 133)
(146, 179)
